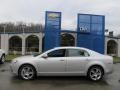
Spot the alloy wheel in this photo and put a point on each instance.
(27, 72)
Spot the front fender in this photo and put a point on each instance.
(19, 64)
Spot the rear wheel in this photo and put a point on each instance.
(95, 73)
(2, 59)
(27, 72)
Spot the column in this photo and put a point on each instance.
(23, 45)
(118, 47)
(105, 46)
(40, 43)
(4, 42)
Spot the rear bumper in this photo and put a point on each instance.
(109, 69)
(110, 72)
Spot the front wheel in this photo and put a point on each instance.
(95, 73)
(27, 72)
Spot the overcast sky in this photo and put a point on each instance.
(34, 11)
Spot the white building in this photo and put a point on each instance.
(28, 43)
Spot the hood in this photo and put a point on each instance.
(29, 57)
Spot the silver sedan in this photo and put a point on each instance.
(63, 61)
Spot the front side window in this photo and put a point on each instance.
(77, 53)
(57, 53)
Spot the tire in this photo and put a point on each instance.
(2, 59)
(27, 72)
(95, 73)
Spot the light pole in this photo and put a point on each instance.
(23, 28)
(4, 28)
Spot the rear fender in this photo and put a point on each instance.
(93, 64)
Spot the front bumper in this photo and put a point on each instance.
(13, 69)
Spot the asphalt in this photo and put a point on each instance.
(10, 82)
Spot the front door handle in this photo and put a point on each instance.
(87, 59)
(62, 60)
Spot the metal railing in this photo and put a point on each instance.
(31, 50)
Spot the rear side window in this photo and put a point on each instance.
(77, 53)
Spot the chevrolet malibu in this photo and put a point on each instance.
(63, 61)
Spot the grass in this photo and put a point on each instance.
(11, 57)
(116, 59)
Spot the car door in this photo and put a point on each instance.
(54, 63)
(77, 59)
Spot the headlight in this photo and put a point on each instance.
(14, 61)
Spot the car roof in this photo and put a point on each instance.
(73, 47)
(70, 47)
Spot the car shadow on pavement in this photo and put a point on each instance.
(60, 81)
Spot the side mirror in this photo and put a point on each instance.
(45, 56)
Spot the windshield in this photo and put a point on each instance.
(37, 54)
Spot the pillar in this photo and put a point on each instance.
(40, 43)
(23, 44)
(118, 47)
(4, 42)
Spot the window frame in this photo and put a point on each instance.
(67, 52)
(56, 50)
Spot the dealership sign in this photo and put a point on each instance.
(53, 15)
(91, 30)
(53, 20)
(84, 30)
(52, 30)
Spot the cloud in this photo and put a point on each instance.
(34, 11)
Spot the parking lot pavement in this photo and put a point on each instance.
(10, 82)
